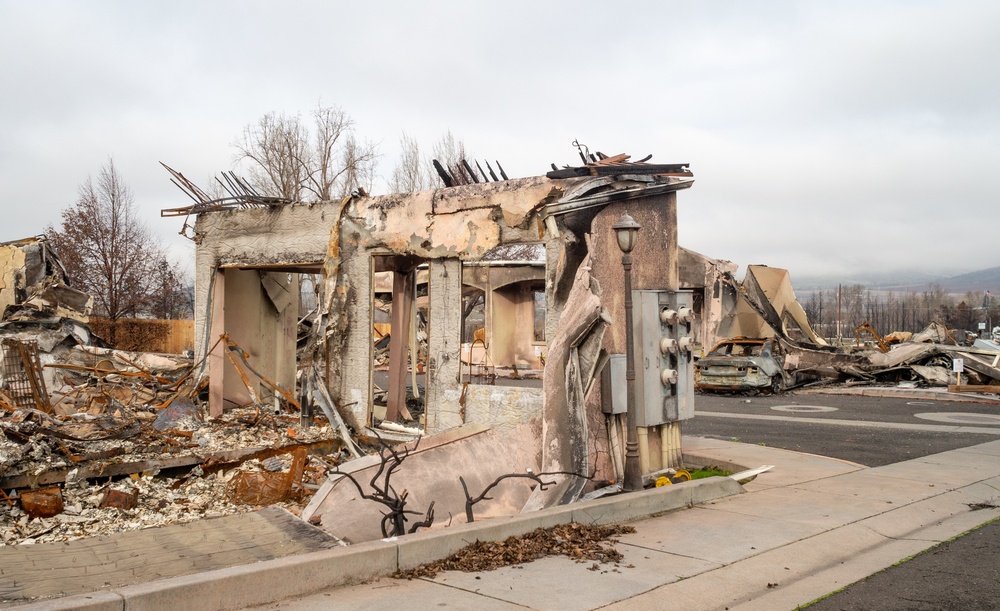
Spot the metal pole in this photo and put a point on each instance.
(839, 341)
(633, 472)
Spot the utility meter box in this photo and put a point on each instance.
(614, 395)
(664, 359)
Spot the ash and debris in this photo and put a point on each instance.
(579, 542)
(164, 496)
(96, 441)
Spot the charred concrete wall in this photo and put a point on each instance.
(240, 254)
(12, 282)
(709, 278)
(504, 406)
(570, 217)
(378, 227)
(31, 273)
(256, 238)
(654, 260)
(654, 267)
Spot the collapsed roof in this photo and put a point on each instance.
(764, 305)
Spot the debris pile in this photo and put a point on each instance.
(109, 478)
(764, 305)
(96, 441)
(41, 313)
(579, 542)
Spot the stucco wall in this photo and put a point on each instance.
(503, 406)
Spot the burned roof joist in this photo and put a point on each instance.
(600, 164)
(241, 195)
(461, 173)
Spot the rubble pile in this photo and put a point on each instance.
(176, 475)
(95, 441)
(764, 305)
(927, 358)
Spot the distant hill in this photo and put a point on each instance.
(887, 280)
(979, 281)
(908, 281)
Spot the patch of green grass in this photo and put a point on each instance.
(709, 471)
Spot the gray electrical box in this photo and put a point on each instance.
(614, 390)
(664, 370)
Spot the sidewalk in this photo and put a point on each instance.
(806, 528)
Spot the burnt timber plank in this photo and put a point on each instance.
(107, 469)
(678, 169)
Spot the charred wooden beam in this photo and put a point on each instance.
(468, 169)
(445, 176)
(492, 173)
(679, 169)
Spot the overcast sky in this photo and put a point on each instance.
(826, 138)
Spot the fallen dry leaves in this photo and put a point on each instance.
(577, 541)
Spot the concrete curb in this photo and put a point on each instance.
(903, 393)
(274, 580)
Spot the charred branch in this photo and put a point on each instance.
(535, 477)
(393, 522)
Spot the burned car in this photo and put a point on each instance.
(743, 364)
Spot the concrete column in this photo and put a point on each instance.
(217, 358)
(444, 345)
(403, 295)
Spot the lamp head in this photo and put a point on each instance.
(626, 230)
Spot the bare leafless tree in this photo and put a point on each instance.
(108, 251)
(410, 174)
(171, 298)
(415, 171)
(288, 159)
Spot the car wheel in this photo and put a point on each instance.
(777, 384)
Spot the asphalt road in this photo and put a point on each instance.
(870, 431)
(959, 575)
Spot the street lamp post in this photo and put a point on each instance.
(627, 230)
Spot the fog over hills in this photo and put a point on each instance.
(908, 281)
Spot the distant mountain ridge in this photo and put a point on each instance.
(908, 281)
(978, 281)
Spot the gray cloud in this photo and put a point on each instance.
(824, 136)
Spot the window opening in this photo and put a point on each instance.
(400, 321)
